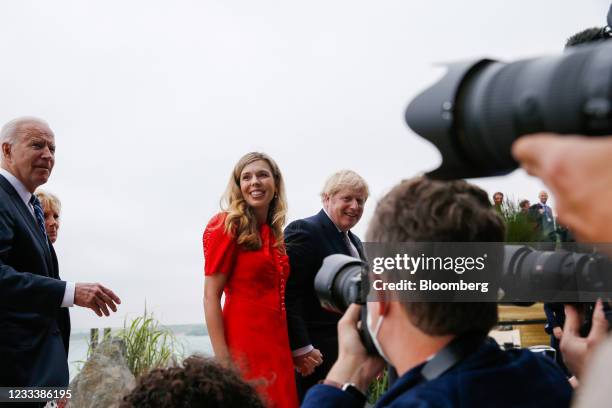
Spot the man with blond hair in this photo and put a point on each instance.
(312, 330)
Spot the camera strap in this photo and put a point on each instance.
(455, 351)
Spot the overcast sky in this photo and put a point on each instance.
(152, 102)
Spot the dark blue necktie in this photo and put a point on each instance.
(39, 214)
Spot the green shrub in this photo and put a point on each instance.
(148, 345)
(519, 226)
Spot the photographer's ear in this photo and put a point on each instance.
(379, 308)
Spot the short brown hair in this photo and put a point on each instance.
(424, 210)
(201, 382)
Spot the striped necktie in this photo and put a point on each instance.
(349, 245)
(39, 215)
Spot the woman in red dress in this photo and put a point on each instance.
(245, 259)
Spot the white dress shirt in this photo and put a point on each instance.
(25, 195)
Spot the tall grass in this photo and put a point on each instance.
(378, 387)
(148, 345)
(520, 227)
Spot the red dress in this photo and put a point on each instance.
(254, 316)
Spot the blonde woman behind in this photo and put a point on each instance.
(245, 259)
(52, 207)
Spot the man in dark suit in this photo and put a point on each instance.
(545, 219)
(312, 330)
(34, 319)
(440, 349)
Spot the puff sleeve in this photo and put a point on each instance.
(220, 248)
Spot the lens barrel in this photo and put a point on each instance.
(479, 108)
(338, 282)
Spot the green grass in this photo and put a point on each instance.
(519, 226)
(378, 387)
(148, 345)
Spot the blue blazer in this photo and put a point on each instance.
(34, 329)
(489, 377)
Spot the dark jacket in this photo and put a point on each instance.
(308, 242)
(34, 329)
(488, 377)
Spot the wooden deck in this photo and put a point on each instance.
(528, 320)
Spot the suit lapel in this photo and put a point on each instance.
(33, 228)
(335, 237)
(332, 235)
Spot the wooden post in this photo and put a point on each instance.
(93, 338)
(107, 333)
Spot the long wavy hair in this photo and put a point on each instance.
(240, 221)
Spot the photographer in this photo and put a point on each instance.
(440, 350)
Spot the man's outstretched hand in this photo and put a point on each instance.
(96, 297)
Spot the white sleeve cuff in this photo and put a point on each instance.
(68, 300)
(302, 350)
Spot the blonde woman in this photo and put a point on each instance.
(245, 259)
(51, 206)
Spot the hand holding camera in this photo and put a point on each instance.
(354, 365)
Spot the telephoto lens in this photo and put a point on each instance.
(479, 108)
(554, 276)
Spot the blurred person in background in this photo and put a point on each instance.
(524, 206)
(498, 201)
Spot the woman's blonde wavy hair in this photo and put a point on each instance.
(240, 221)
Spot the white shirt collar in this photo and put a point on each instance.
(17, 185)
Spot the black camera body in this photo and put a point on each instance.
(525, 275)
(343, 280)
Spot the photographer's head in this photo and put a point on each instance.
(200, 382)
(590, 35)
(498, 198)
(424, 210)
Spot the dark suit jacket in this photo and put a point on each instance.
(488, 377)
(308, 242)
(34, 329)
(545, 223)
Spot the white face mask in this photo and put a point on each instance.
(374, 333)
